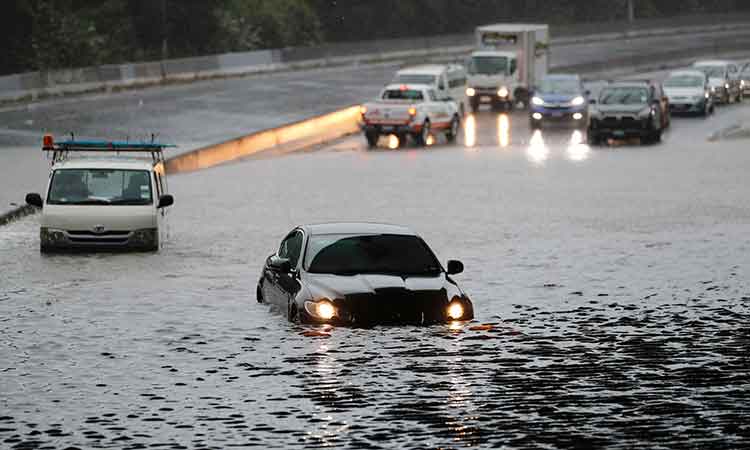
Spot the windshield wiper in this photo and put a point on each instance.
(92, 201)
(130, 202)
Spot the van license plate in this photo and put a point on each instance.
(485, 98)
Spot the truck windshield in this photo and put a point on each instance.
(414, 79)
(684, 81)
(623, 96)
(402, 94)
(488, 65)
(559, 86)
(100, 187)
(370, 254)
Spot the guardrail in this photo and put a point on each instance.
(35, 85)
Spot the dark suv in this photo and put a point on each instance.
(629, 109)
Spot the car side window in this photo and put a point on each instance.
(513, 66)
(291, 248)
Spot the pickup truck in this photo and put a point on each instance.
(409, 110)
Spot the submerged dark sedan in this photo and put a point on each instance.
(361, 274)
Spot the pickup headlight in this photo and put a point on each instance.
(578, 101)
(537, 101)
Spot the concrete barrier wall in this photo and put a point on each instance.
(288, 138)
(34, 85)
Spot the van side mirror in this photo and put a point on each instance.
(455, 267)
(34, 200)
(280, 264)
(165, 200)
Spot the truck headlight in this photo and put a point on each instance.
(578, 101)
(322, 309)
(503, 92)
(471, 92)
(537, 101)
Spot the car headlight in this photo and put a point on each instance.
(578, 101)
(707, 95)
(726, 86)
(456, 310)
(503, 92)
(322, 309)
(646, 112)
(471, 92)
(536, 101)
(742, 83)
(713, 88)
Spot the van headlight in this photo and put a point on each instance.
(503, 92)
(145, 236)
(578, 101)
(537, 101)
(321, 309)
(50, 236)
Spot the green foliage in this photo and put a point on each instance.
(49, 34)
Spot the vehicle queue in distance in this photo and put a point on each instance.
(508, 69)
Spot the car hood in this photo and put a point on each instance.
(558, 98)
(620, 109)
(684, 91)
(341, 287)
(86, 217)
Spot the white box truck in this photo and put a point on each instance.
(508, 60)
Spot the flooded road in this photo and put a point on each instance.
(610, 288)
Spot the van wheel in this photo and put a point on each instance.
(372, 138)
(259, 294)
(452, 132)
(421, 138)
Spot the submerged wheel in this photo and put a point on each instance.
(452, 132)
(372, 138)
(422, 136)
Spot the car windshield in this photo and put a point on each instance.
(370, 254)
(100, 187)
(488, 65)
(712, 71)
(684, 81)
(415, 79)
(402, 94)
(623, 96)
(559, 86)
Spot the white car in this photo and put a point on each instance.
(723, 80)
(409, 110)
(689, 93)
(113, 202)
(448, 80)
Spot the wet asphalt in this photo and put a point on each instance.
(610, 287)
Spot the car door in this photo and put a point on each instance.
(288, 284)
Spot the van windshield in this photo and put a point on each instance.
(415, 79)
(488, 65)
(100, 187)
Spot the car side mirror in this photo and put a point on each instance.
(280, 264)
(592, 101)
(165, 200)
(34, 200)
(455, 267)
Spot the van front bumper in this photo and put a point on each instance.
(64, 240)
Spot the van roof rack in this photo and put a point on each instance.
(61, 150)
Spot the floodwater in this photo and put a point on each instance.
(610, 288)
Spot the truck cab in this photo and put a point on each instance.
(105, 200)
(508, 59)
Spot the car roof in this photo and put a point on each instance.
(425, 69)
(355, 228)
(687, 72)
(712, 62)
(512, 27)
(493, 53)
(105, 163)
(562, 76)
(409, 86)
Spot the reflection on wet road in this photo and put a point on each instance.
(610, 286)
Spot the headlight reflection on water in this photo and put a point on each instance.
(578, 150)
(393, 142)
(537, 152)
(503, 130)
(470, 131)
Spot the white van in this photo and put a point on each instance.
(107, 199)
(448, 80)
